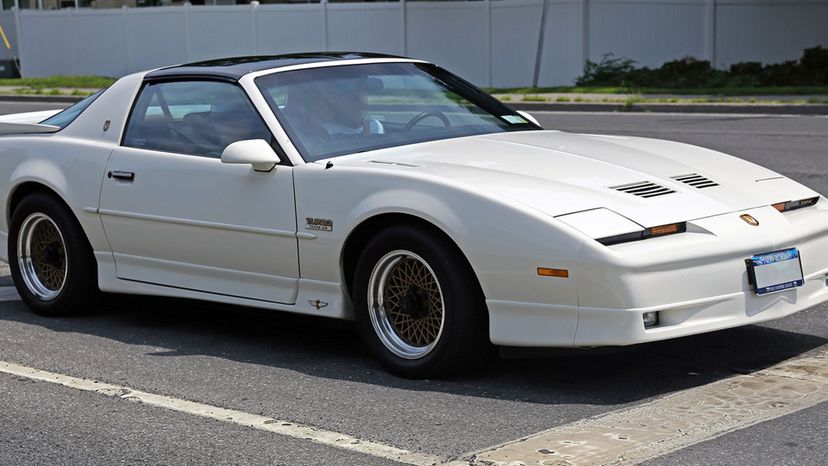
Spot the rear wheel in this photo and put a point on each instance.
(51, 262)
(419, 308)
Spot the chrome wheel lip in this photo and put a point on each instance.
(26, 263)
(383, 326)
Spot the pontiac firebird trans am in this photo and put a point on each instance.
(389, 191)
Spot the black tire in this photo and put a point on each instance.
(79, 287)
(463, 343)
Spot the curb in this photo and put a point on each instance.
(41, 98)
(753, 109)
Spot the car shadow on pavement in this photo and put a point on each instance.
(331, 349)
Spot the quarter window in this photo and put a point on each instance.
(68, 115)
(193, 117)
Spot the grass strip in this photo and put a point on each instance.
(95, 82)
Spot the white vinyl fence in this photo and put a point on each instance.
(489, 42)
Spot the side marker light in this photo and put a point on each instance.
(547, 272)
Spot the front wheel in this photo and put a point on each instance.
(50, 258)
(419, 307)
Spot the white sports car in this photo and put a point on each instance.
(389, 191)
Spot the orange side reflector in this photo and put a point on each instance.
(780, 207)
(665, 230)
(545, 272)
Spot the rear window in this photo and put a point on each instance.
(69, 114)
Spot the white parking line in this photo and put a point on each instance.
(268, 424)
(634, 435)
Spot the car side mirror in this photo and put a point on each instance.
(256, 152)
(529, 117)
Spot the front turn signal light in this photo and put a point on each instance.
(666, 229)
(793, 205)
(652, 232)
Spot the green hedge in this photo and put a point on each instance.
(688, 72)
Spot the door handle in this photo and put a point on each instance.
(121, 175)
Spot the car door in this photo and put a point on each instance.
(176, 216)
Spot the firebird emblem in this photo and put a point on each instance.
(318, 304)
(749, 219)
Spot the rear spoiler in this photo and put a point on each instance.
(26, 128)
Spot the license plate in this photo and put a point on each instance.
(772, 272)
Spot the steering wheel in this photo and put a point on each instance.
(422, 116)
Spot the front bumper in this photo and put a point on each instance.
(604, 327)
(697, 281)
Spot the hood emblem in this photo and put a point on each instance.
(749, 219)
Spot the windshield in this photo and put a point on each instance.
(338, 110)
(68, 115)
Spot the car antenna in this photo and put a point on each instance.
(328, 165)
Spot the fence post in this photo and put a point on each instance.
(489, 45)
(404, 28)
(187, 40)
(19, 59)
(254, 10)
(72, 40)
(710, 32)
(584, 32)
(541, 39)
(324, 4)
(127, 43)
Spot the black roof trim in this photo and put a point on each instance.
(236, 67)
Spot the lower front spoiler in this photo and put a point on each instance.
(526, 324)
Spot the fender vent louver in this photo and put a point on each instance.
(644, 189)
(697, 181)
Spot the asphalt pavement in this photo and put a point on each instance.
(314, 371)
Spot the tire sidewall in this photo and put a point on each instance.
(79, 270)
(462, 300)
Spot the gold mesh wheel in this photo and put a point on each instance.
(41, 256)
(406, 304)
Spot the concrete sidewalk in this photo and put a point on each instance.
(593, 97)
(811, 104)
(40, 98)
(723, 108)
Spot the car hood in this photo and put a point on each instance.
(559, 173)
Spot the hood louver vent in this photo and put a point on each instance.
(697, 181)
(644, 189)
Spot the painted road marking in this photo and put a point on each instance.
(268, 424)
(676, 421)
(9, 293)
(626, 436)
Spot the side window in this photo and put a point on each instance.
(193, 118)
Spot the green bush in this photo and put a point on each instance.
(689, 72)
(814, 63)
(608, 72)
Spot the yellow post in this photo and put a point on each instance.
(11, 52)
(5, 39)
